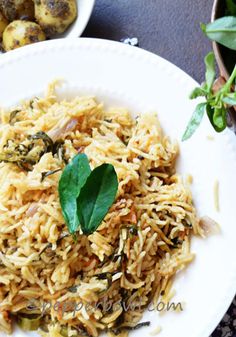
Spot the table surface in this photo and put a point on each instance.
(169, 28)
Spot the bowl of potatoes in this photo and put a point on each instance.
(23, 22)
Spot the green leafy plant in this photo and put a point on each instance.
(231, 7)
(222, 30)
(215, 104)
(86, 196)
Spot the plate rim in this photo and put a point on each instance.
(15, 55)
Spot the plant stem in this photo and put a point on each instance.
(230, 80)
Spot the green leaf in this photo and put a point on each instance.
(210, 113)
(229, 99)
(96, 197)
(197, 92)
(72, 180)
(231, 7)
(217, 117)
(210, 70)
(194, 121)
(222, 30)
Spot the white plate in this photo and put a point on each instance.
(85, 8)
(128, 76)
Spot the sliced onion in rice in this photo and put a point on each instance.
(209, 225)
(32, 210)
(58, 133)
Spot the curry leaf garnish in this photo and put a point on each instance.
(86, 196)
(96, 197)
(222, 30)
(72, 180)
(215, 104)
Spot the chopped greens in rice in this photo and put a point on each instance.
(133, 255)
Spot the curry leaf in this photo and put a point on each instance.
(194, 121)
(222, 30)
(96, 197)
(72, 179)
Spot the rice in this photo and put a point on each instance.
(216, 196)
(156, 331)
(42, 270)
(210, 137)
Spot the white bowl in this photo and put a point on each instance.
(85, 8)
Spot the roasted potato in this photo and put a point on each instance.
(54, 16)
(17, 9)
(3, 24)
(20, 33)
